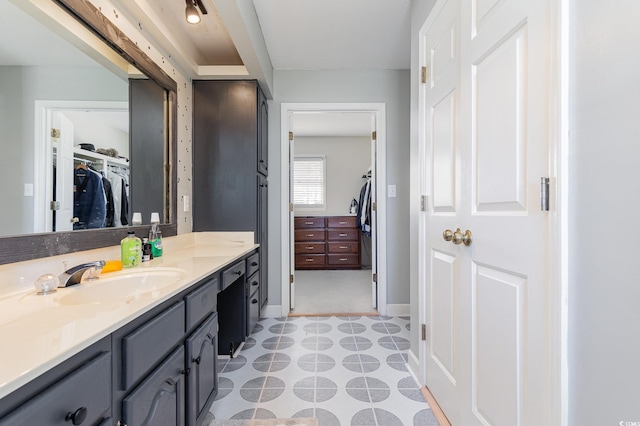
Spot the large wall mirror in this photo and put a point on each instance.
(87, 132)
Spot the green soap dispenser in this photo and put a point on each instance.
(131, 250)
(155, 236)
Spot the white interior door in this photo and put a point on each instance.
(486, 105)
(292, 252)
(64, 172)
(374, 216)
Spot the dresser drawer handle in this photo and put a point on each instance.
(344, 247)
(311, 235)
(343, 235)
(309, 247)
(308, 260)
(308, 223)
(343, 223)
(343, 259)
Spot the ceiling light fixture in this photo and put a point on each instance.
(191, 12)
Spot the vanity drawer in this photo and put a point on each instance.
(231, 274)
(308, 222)
(253, 282)
(253, 263)
(311, 248)
(343, 259)
(309, 235)
(344, 247)
(86, 390)
(341, 222)
(342, 234)
(201, 302)
(148, 344)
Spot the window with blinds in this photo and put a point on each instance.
(309, 181)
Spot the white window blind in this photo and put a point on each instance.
(308, 181)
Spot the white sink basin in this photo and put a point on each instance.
(122, 287)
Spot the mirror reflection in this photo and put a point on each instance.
(66, 136)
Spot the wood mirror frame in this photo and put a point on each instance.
(33, 246)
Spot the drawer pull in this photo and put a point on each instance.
(343, 235)
(308, 223)
(343, 259)
(254, 263)
(309, 247)
(311, 235)
(78, 416)
(254, 283)
(308, 260)
(238, 273)
(254, 301)
(344, 247)
(343, 223)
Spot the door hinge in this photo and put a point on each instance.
(425, 332)
(375, 278)
(290, 136)
(423, 203)
(424, 74)
(55, 133)
(544, 194)
(290, 207)
(55, 205)
(374, 207)
(374, 135)
(291, 279)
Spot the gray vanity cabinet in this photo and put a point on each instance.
(202, 362)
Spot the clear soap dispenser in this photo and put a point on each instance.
(155, 236)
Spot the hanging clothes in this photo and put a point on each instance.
(120, 199)
(363, 216)
(89, 199)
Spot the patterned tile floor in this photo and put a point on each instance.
(342, 370)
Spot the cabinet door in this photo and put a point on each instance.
(263, 136)
(85, 394)
(202, 361)
(262, 230)
(160, 398)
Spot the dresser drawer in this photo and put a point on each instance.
(311, 248)
(342, 234)
(308, 222)
(231, 274)
(309, 235)
(343, 259)
(202, 301)
(310, 260)
(341, 222)
(253, 263)
(344, 247)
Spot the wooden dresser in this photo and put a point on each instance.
(331, 242)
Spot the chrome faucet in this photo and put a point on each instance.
(74, 275)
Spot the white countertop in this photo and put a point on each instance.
(39, 332)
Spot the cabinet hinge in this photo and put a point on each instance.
(544, 194)
(374, 207)
(290, 136)
(423, 203)
(291, 279)
(375, 278)
(424, 74)
(425, 332)
(374, 135)
(55, 133)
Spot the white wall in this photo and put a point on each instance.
(390, 87)
(604, 155)
(346, 160)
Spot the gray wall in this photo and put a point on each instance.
(20, 87)
(346, 160)
(390, 87)
(604, 155)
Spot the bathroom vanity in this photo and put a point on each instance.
(135, 347)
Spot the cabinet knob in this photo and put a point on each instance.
(254, 283)
(186, 371)
(238, 273)
(254, 263)
(197, 360)
(78, 416)
(254, 301)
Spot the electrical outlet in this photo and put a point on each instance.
(185, 207)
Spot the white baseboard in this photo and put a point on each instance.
(400, 310)
(271, 311)
(413, 365)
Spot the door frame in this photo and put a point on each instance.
(558, 206)
(379, 111)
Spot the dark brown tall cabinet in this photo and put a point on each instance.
(230, 164)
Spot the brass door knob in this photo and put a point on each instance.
(457, 237)
(465, 238)
(447, 235)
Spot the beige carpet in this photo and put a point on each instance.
(266, 422)
(322, 292)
